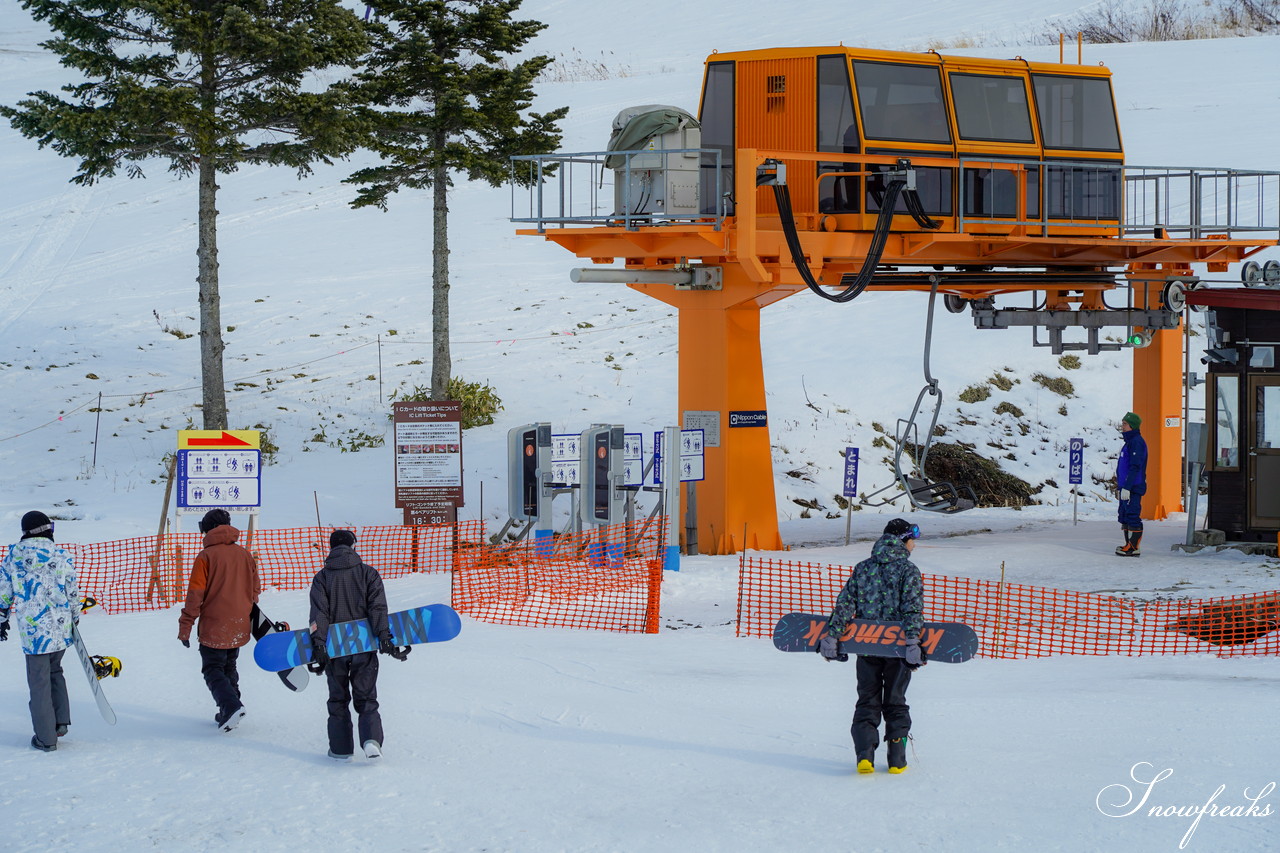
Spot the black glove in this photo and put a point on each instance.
(319, 656)
(387, 647)
(4, 630)
(829, 648)
(914, 656)
(185, 643)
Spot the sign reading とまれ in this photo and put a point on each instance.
(428, 452)
(219, 468)
(850, 472)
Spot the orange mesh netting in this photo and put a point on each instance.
(609, 579)
(1018, 621)
(149, 572)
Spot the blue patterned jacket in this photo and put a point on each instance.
(39, 593)
(885, 586)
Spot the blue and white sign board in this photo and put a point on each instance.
(219, 468)
(1075, 474)
(565, 460)
(633, 459)
(850, 472)
(692, 456)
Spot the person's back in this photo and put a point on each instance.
(39, 584)
(223, 588)
(886, 586)
(345, 589)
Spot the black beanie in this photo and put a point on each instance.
(341, 537)
(902, 529)
(36, 523)
(214, 518)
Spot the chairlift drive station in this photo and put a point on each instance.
(840, 169)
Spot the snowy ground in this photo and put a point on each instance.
(520, 739)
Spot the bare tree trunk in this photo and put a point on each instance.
(441, 362)
(214, 394)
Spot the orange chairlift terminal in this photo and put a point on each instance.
(836, 169)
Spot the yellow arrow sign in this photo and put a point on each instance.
(219, 439)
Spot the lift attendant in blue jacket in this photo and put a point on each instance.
(1131, 484)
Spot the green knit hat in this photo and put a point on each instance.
(1132, 420)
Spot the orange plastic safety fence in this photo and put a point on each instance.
(609, 579)
(1018, 621)
(149, 572)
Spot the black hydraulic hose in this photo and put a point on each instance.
(916, 209)
(853, 284)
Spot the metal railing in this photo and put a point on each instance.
(1036, 195)
(1195, 202)
(579, 189)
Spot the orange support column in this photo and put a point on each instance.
(1157, 399)
(721, 374)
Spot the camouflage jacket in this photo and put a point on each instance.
(885, 586)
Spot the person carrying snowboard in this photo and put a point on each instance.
(224, 587)
(888, 587)
(38, 586)
(346, 589)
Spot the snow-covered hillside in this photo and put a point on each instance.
(99, 294)
(546, 740)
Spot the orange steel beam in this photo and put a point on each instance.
(768, 247)
(1157, 399)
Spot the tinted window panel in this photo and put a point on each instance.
(990, 192)
(716, 117)
(1083, 192)
(991, 108)
(901, 102)
(933, 186)
(1076, 113)
(836, 128)
(837, 131)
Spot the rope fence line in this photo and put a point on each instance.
(1016, 621)
(607, 580)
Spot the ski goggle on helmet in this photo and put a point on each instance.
(902, 529)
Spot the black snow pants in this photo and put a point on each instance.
(882, 692)
(353, 678)
(218, 666)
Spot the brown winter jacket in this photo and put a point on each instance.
(224, 587)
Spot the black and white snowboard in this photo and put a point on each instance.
(296, 678)
(91, 673)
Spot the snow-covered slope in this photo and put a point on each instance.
(527, 740)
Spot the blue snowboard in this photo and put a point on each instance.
(434, 623)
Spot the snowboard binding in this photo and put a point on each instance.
(105, 665)
(87, 602)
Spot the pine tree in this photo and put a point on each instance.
(443, 100)
(207, 85)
